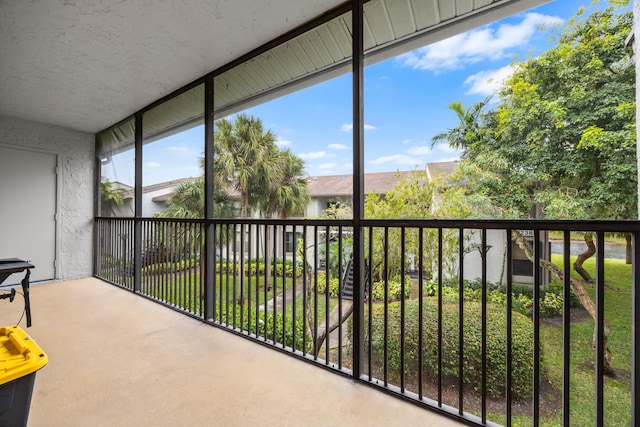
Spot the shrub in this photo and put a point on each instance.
(522, 339)
(334, 284)
(551, 299)
(394, 291)
(266, 321)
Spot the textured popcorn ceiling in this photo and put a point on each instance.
(87, 64)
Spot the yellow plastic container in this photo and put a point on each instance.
(20, 358)
(19, 354)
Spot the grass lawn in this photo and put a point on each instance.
(617, 391)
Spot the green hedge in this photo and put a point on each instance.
(522, 339)
(334, 285)
(551, 300)
(266, 321)
(394, 290)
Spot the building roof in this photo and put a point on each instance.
(379, 182)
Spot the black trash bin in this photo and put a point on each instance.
(20, 358)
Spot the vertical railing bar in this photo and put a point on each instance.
(228, 279)
(125, 251)
(340, 285)
(370, 303)
(420, 314)
(440, 365)
(173, 271)
(315, 294)
(402, 309)
(153, 258)
(115, 241)
(273, 279)
(148, 243)
(265, 312)
(162, 261)
(239, 271)
(386, 306)
(566, 328)
(177, 257)
(304, 290)
(294, 259)
(230, 282)
(327, 254)
(191, 306)
(217, 237)
(242, 275)
(237, 266)
(189, 282)
(224, 279)
(205, 252)
(284, 288)
(194, 300)
(483, 250)
(600, 329)
(118, 263)
(461, 253)
(234, 277)
(509, 353)
(635, 332)
(182, 235)
(536, 328)
(167, 265)
(185, 274)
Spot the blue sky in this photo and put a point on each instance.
(406, 100)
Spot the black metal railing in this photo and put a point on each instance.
(482, 320)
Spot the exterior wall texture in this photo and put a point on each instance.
(75, 151)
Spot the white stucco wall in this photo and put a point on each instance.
(75, 152)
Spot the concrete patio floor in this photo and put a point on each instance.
(116, 359)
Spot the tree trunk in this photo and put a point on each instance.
(335, 319)
(584, 297)
(591, 250)
(629, 252)
(308, 309)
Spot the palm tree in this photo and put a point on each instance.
(469, 129)
(287, 195)
(187, 201)
(245, 158)
(110, 196)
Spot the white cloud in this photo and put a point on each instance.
(487, 43)
(282, 142)
(401, 159)
(348, 166)
(325, 166)
(313, 155)
(487, 82)
(406, 141)
(152, 165)
(419, 150)
(337, 146)
(181, 149)
(348, 127)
